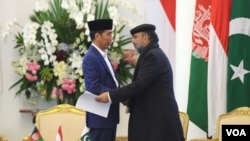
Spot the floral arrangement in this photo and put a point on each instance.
(53, 43)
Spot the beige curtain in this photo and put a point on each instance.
(1, 78)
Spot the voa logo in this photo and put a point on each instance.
(236, 132)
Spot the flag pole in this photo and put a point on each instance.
(209, 137)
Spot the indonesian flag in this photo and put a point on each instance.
(161, 13)
(217, 62)
(59, 135)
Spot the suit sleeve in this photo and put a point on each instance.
(148, 72)
(93, 75)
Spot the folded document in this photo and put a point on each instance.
(88, 103)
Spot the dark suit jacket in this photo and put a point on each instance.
(99, 79)
(154, 114)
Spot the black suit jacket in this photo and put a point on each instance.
(154, 114)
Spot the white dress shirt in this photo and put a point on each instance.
(105, 56)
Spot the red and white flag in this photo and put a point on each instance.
(59, 135)
(217, 62)
(165, 28)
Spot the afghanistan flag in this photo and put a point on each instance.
(36, 136)
(197, 98)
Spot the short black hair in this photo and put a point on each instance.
(92, 34)
(153, 37)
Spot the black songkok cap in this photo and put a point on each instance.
(100, 24)
(142, 28)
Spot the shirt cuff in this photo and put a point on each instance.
(109, 98)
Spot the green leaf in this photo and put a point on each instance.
(18, 82)
(66, 32)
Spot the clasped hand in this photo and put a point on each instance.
(103, 97)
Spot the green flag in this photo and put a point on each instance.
(238, 83)
(85, 135)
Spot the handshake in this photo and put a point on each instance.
(103, 97)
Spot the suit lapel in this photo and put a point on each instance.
(101, 58)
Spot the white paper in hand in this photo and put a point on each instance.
(88, 103)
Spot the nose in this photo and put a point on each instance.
(133, 41)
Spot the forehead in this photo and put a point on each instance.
(105, 32)
(108, 31)
(138, 34)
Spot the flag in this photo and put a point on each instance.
(36, 136)
(228, 68)
(85, 136)
(197, 93)
(217, 62)
(59, 135)
(164, 10)
(169, 7)
(239, 56)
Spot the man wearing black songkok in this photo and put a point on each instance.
(99, 76)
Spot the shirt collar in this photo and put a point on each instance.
(103, 53)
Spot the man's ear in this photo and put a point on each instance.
(146, 37)
(97, 35)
